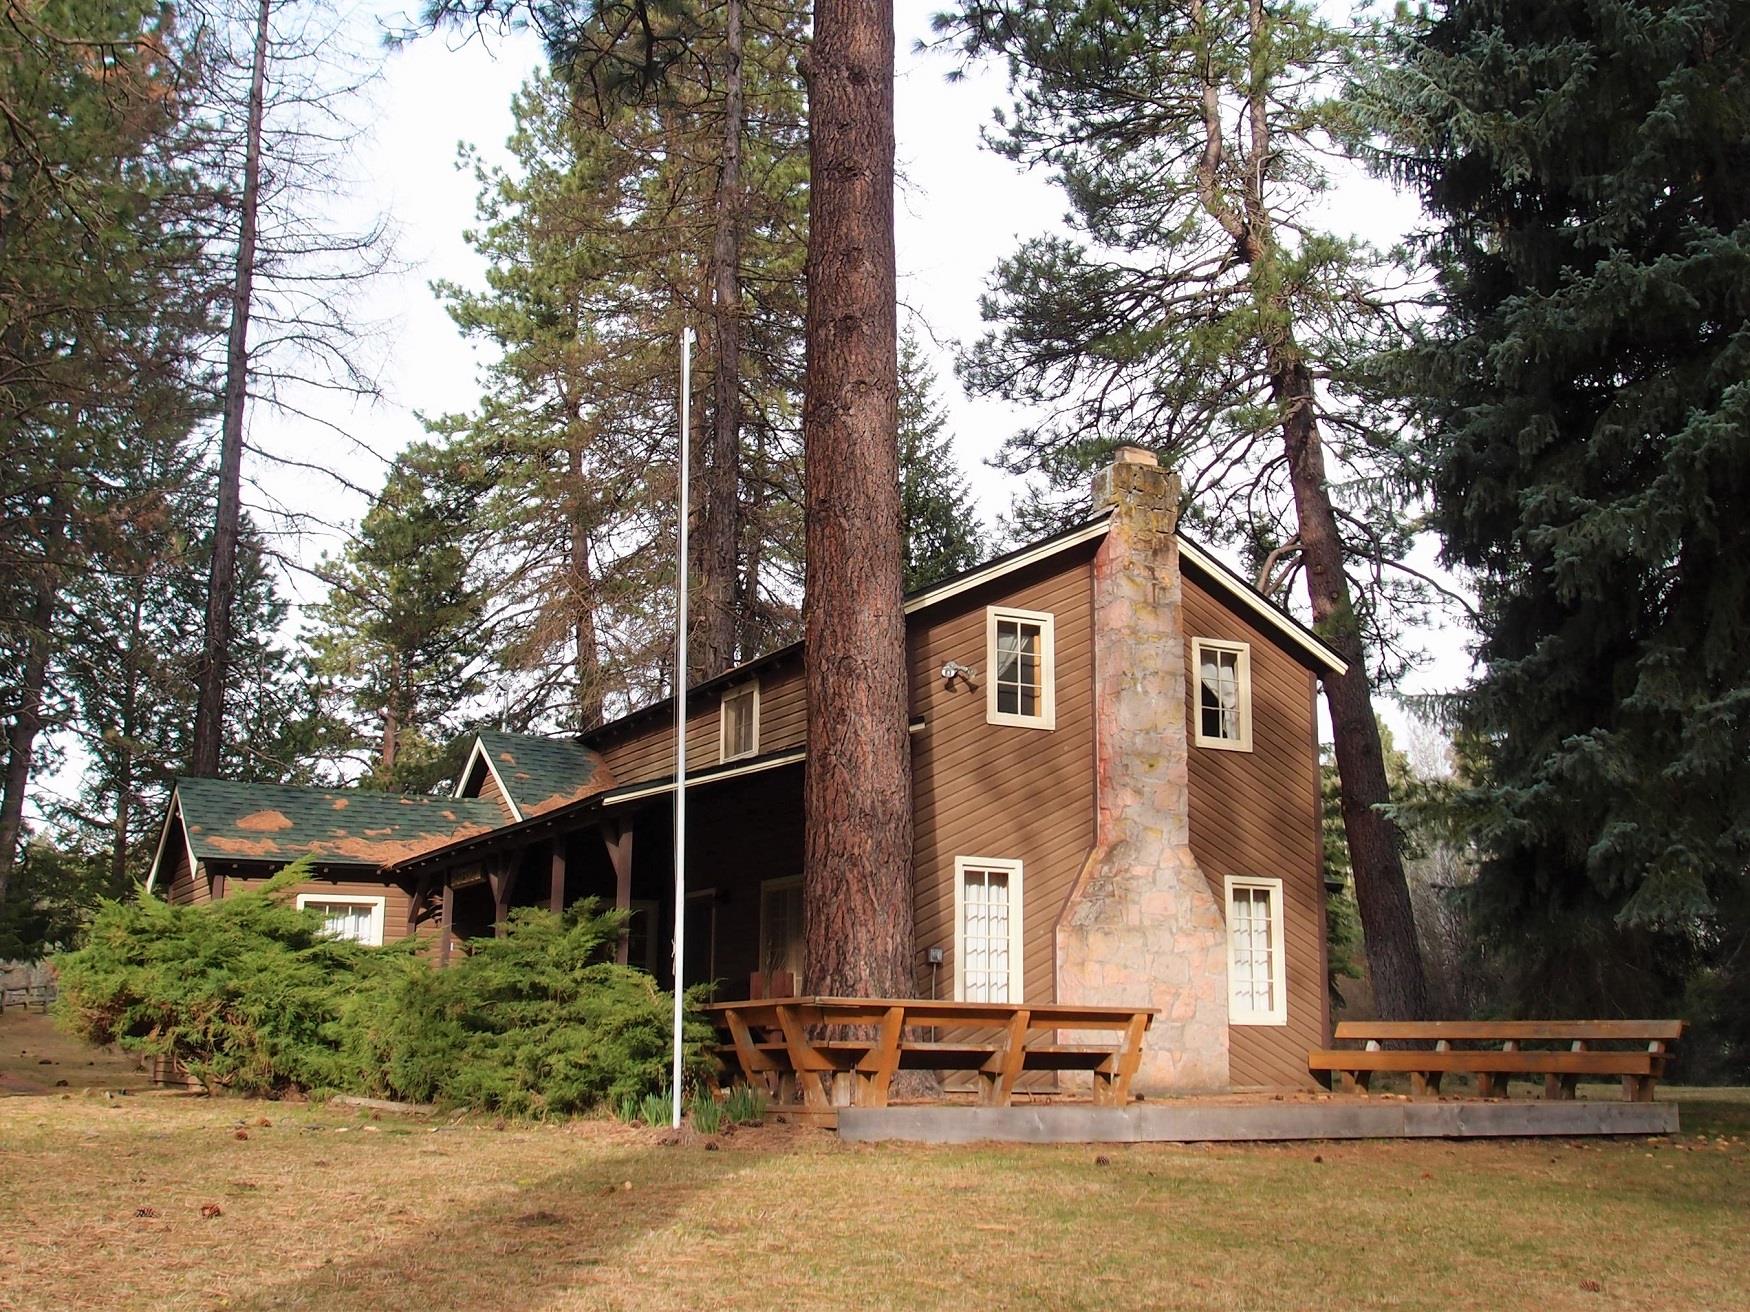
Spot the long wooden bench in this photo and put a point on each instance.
(788, 1045)
(1639, 1068)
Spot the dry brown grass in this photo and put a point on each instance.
(121, 1202)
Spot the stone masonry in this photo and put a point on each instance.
(1142, 923)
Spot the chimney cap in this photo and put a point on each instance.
(1134, 455)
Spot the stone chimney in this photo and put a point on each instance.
(1143, 924)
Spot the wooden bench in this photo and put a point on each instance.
(788, 1045)
(1639, 1068)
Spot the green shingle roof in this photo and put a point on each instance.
(228, 821)
(543, 774)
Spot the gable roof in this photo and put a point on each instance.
(536, 774)
(222, 820)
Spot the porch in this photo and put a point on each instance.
(744, 865)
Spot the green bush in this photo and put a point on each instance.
(249, 995)
(745, 1104)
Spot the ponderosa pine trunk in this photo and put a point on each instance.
(713, 648)
(27, 724)
(1382, 894)
(857, 886)
(214, 674)
(588, 703)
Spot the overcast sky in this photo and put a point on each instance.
(960, 208)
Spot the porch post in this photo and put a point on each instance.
(446, 921)
(617, 834)
(502, 878)
(556, 891)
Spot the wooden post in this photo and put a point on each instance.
(446, 922)
(502, 878)
(617, 834)
(417, 904)
(216, 886)
(556, 891)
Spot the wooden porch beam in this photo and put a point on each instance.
(617, 834)
(502, 878)
(556, 890)
(420, 903)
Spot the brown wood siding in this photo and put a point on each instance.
(984, 790)
(176, 883)
(648, 751)
(489, 789)
(395, 898)
(1252, 813)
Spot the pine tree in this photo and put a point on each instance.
(1586, 166)
(1196, 310)
(401, 631)
(942, 531)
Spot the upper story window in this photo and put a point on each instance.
(1256, 970)
(738, 733)
(1224, 693)
(1018, 652)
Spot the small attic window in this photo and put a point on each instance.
(738, 732)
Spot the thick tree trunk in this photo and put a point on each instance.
(209, 723)
(586, 655)
(1382, 894)
(391, 718)
(857, 886)
(27, 724)
(713, 649)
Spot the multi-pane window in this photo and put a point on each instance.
(359, 920)
(1255, 966)
(1224, 694)
(988, 930)
(781, 935)
(739, 723)
(1019, 647)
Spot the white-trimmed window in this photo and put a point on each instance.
(357, 918)
(781, 934)
(1019, 656)
(738, 723)
(987, 929)
(1223, 671)
(1256, 973)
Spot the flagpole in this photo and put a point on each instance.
(680, 720)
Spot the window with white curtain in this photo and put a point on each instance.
(1019, 657)
(359, 919)
(1256, 971)
(987, 930)
(738, 723)
(1223, 673)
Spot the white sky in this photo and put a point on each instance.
(960, 209)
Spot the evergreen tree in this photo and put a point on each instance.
(1586, 165)
(1196, 310)
(400, 633)
(942, 532)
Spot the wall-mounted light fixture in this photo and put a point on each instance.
(955, 670)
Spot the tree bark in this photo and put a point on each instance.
(587, 657)
(1382, 894)
(714, 645)
(391, 717)
(27, 723)
(857, 885)
(209, 724)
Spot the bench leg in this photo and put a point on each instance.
(1560, 1087)
(1424, 1083)
(1357, 1081)
(1637, 1088)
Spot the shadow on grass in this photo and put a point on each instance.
(525, 1243)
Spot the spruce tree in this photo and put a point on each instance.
(942, 532)
(1586, 166)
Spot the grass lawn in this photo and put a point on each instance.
(120, 1202)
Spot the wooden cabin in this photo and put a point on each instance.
(1115, 780)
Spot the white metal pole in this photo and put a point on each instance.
(680, 719)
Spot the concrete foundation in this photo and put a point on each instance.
(1167, 1122)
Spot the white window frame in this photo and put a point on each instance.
(768, 887)
(1278, 1013)
(1017, 940)
(1243, 672)
(378, 906)
(739, 693)
(1047, 716)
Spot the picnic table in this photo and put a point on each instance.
(1507, 1055)
(795, 1049)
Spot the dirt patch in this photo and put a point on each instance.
(264, 822)
(37, 1058)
